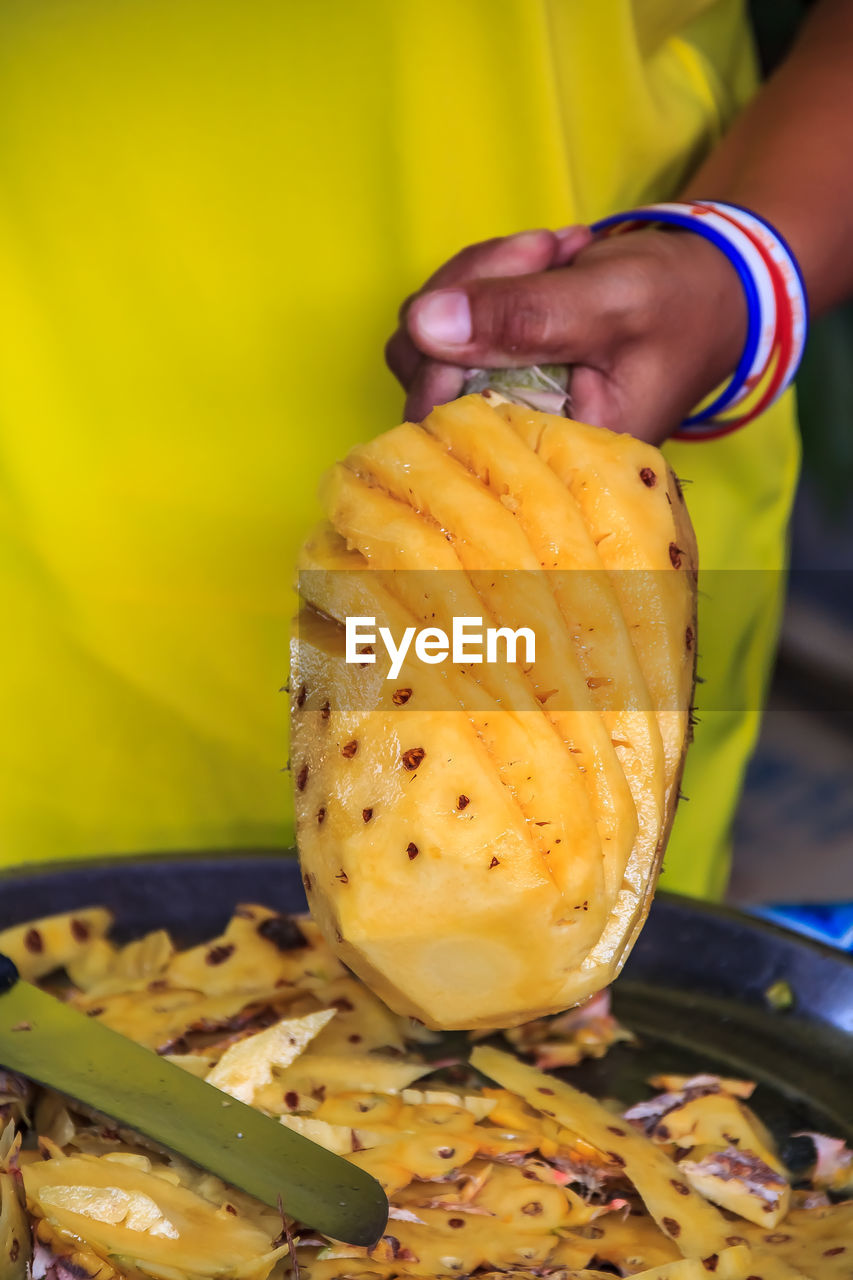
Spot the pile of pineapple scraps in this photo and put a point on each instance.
(491, 1165)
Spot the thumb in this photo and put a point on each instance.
(510, 322)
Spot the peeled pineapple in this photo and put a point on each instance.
(480, 840)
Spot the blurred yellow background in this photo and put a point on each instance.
(209, 214)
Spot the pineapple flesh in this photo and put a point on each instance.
(480, 841)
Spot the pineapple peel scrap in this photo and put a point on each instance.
(741, 1182)
(526, 1180)
(680, 1211)
(125, 1211)
(41, 946)
(15, 1250)
(249, 1064)
(134, 1210)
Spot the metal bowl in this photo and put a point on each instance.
(694, 990)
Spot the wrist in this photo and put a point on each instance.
(714, 292)
(774, 295)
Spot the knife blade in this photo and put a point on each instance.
(54, 1045)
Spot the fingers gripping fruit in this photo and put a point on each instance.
(480, 839)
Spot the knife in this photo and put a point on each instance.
(53, 1044)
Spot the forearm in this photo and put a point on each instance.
(790, 154)
(650, 324)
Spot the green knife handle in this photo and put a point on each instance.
(8, 974)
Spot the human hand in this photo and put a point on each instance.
(650, 322)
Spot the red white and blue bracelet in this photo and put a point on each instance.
(775, 295)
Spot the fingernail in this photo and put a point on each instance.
(565, 233)
(444, 317)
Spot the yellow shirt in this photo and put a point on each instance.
(209, 213)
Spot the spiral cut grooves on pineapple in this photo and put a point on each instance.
(480, 843)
